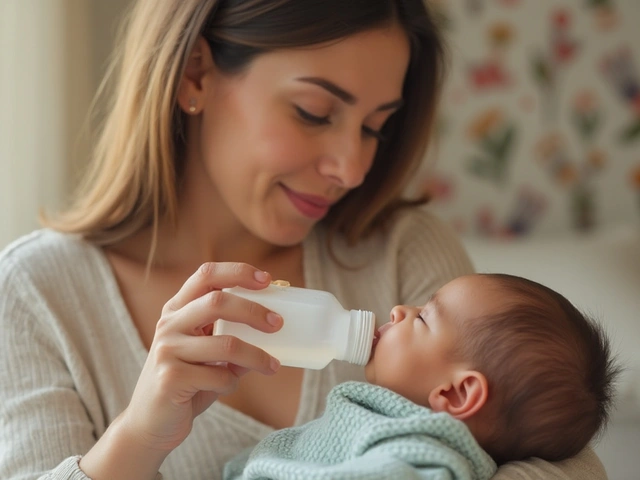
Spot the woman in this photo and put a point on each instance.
(244, 137)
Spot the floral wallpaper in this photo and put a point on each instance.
(539, 129)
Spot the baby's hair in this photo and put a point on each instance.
(549, 369)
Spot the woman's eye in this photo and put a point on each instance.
(312, 119)
(370, 132)
(421, 318)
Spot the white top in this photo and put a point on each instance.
(70, 355)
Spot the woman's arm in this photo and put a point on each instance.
(43, 420)
(584, 466)
(46, 423)
(185, 372)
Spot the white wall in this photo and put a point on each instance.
(32, 133)
(53, 54)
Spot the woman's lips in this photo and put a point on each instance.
(311, 206)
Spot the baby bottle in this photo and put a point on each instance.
(316, 329)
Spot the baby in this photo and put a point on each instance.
(494, 368)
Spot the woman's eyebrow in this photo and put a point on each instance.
(345, 96)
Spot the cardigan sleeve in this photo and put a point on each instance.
(430, 255)
(69, 469)
(585, 465)
(45, 426)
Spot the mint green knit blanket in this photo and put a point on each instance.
(368, 432)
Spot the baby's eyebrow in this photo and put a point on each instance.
(424, 305)
(434, 299)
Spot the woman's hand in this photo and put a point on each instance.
(187, 368)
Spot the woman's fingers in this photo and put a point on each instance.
(238, 370)
(212, 378)
(230, 351)
(216, 276)
(200, 301)
(215, 305)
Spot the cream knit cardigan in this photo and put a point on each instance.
(70, 355)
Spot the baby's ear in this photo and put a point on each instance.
(463, 397)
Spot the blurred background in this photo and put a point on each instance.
(536, 161)
(540, 125)
(53, 55)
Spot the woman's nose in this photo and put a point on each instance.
(347, 162)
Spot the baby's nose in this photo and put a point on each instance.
(398, 313)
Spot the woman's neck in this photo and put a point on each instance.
(192, 243)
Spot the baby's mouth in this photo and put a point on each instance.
(376, 339)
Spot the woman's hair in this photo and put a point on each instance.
(137, 166)
(550, 372)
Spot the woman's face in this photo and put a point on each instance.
(289, 137)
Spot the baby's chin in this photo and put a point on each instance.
(369, 368)
(368, 375)
(369, 371)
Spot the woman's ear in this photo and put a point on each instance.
(463, 397)
(192, 89)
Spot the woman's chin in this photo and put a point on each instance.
(286, 235)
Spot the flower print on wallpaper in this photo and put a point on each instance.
(549, 64)
(491, 72)
(494, 136)
(619, 69)
(540, 118)
(634, 176)
(575, 170)
(605, 13)
(524, 212)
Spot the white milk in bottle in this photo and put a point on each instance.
(316, 328)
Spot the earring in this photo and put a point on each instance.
(192, 105)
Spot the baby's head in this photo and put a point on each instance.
(517, 362)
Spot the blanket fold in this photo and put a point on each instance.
(368, 432)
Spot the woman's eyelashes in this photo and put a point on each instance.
(312, 119)
(373, 133)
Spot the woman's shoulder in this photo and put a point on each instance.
(409, 221)
(409, 230)
(43, 253)
(43, 245)
(403, 263)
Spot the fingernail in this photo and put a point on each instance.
(274, 319)
(261, 276)
(274, 364)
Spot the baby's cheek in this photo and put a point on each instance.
(377, 368)
(394, 338)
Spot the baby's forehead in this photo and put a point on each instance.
(476, 290)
